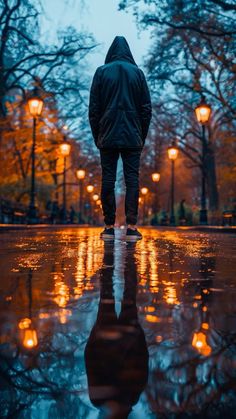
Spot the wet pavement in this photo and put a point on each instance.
(117, 330)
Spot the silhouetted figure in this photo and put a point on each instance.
(120, 114)
(72, 215)
(116, 354)
(61, 215)
(54, 212)
(182, 212)
(154, 220)
(164, 218)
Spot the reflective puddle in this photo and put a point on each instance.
(117, 330)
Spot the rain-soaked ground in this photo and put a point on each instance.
(114, 330)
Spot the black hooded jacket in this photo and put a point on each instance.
(120, 105)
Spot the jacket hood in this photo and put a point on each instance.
(119, 50)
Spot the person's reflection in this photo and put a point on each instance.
(116, 354)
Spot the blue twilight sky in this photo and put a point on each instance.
(99, 17)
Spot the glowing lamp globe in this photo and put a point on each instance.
(30, 339)
(24, 323)
(95, 197)
(203, 112)
(144, 191)
(156, 177)
(35, 106)
(90, 188)
(199, 342)
(65, 149)
(173, 152)
(80, 173)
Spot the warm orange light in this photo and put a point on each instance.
(144, 191)
(173, 152)
(156, 177)
(170, 295)
(203, 112)
(95, 197)
(62, 292)
(35, 106)
(150, 309)
(80, 173)
(90, 188)
(24, 323)
(200, 344)
(99, 202)
(65, 149)
(152, 319)
(30, 339)
(63, 315)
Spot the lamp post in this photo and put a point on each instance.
(65, 151)
(80, 173)
(144, 192)
(90, 189)
(203, 112)
(172, 154)
(95, 199)
(35, 104)
(156, 178)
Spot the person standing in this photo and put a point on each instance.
(120, 114)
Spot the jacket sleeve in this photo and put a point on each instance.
(94, 106)
(146, 108)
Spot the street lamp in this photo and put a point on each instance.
(35, 104)
(144, 192)
(172, 154)
(80, 173)
(90, 189)
(95, 197)
(155, 178)
(65, 151)
(203, 112)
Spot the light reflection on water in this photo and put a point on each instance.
(183, 285)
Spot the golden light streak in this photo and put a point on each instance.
(30, 339)
(199, 342)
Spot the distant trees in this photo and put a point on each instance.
(60, 72)
(23, 58)
(193, 55)
(16, 145)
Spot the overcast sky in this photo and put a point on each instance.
(99, 17)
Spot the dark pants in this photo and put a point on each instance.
(131, 161)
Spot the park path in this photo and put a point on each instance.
(145, 329)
